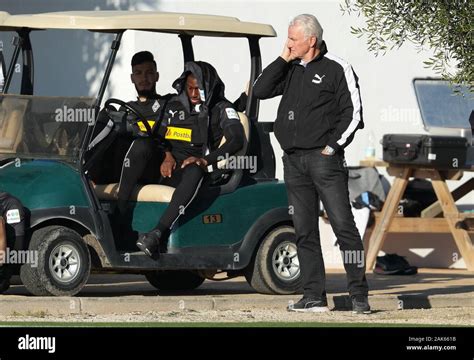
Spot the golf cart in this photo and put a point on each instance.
(239, 225)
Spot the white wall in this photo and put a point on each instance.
(386, 85)
(386, 81)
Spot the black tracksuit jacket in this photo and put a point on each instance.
(321, 102)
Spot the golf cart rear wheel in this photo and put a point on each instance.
(63, 263)
(174, 280)
(275, 268)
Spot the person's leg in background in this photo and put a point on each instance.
(135, 161)
(3, 240)
(4, 277)
(12, 234)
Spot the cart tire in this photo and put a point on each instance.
(63, 263)
(275, 267)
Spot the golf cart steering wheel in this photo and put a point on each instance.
(128, 110)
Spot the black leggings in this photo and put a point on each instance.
(141, 161)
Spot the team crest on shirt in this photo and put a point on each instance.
(155, 106)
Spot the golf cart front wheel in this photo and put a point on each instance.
(275, 268)
(62, 265)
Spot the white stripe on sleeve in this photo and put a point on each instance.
(355, 98)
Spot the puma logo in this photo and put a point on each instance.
(318, 79)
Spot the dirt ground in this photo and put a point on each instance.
(451, 316)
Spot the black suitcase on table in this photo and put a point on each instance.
(433, 150)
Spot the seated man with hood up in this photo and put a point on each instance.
(195, 120)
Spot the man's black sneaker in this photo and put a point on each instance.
(360, 304)
(5, 275)
(309, 304)
(149, 243)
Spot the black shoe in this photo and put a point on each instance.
(5, 275)
(149, 243)
(360, 304)
(393, 264)
(310, 304)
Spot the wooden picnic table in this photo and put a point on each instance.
(442, 216)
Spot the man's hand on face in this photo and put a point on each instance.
(286, 54)
(194, 160)
(168, 165)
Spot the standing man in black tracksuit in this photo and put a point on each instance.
(12, 233)
(318, 115)
(193, 124)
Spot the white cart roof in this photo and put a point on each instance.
(115, 21)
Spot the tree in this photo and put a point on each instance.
(446, 27)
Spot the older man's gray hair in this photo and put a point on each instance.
(311, 27)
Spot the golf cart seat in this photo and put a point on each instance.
(142, 193)
(245, 123)
(12, 111)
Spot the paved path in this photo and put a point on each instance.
(123, 294)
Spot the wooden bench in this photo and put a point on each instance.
(453, 221)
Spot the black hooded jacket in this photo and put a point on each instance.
(198, 130)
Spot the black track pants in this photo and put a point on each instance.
(139, 161)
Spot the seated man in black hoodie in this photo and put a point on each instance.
(195, 120)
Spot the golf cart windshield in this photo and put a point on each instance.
(43, 127)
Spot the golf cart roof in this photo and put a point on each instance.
(116, 21)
